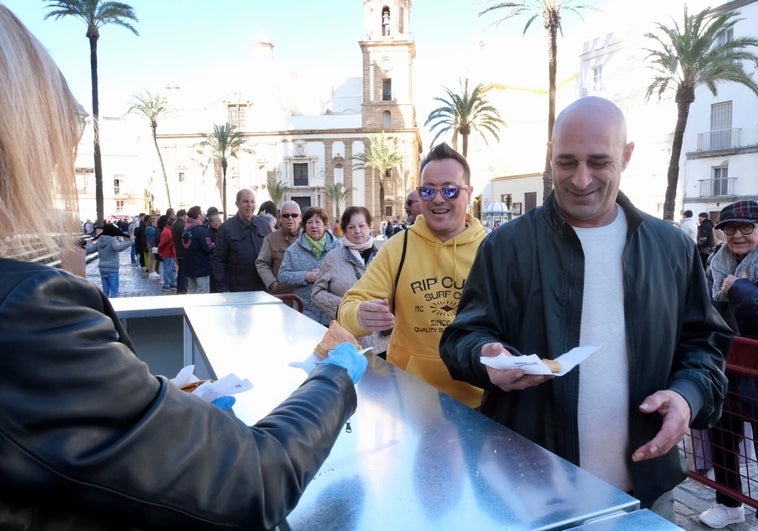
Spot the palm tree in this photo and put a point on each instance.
(464, 113)
(381, 156)
(700, 52)
(277, 191)
(224, 140)
(95, 13)
(152, 106)
(338, 194)
(550, 11)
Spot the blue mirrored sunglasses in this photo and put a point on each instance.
(448, 191)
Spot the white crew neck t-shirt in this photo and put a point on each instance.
(604, 377)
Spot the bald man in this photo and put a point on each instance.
(589, 269)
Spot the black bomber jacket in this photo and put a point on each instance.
(90, 440)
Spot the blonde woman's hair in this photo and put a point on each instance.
(39, 133)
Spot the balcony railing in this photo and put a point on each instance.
(724, 139)
(717, 187)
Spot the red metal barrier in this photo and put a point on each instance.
(729, 449)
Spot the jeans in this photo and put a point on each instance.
(199, 284)
(169, 272)
(133, 253)
(181, 280)
(110, 283)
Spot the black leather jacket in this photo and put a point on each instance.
(89, 439)
(525, 290)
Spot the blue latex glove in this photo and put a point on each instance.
(345, 355)
(224, 403)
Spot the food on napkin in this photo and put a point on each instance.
(335, 335)
(553, 365)
(207, 389)
(533, 364)
(191, 386)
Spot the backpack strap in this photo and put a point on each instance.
(400, 266)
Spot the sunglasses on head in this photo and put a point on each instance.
(448, 191)
(293, 215)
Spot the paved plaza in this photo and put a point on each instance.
(132, 281)
(692, 497)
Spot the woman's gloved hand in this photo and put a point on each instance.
(224, 403)
(345, 355)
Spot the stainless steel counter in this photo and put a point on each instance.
(129, 307)
(634, 521)
(158, 327)
(416, 459)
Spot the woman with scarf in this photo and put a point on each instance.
(733, 274)
(302, 260)
(343, 266)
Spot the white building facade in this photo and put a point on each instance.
(720, 147)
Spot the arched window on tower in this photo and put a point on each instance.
(385, 21)
(386, 120)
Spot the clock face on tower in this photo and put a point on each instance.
(386, 63)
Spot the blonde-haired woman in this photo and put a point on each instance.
(88, 436)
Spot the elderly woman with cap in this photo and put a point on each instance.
(733, 274)
(734, 268)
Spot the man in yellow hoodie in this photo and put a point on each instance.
(414, 284)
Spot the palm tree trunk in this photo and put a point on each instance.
(99, 197)
(547, 175)
(683, 111)
(465, 145)
(381, 198)
(223, 185)
(154, 127)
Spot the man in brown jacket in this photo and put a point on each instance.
(272, 252)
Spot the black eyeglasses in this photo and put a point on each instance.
(290, 215)
(730, 230)
(448, 191)
(410, 202)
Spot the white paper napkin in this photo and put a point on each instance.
(532, 364)
(209, 391)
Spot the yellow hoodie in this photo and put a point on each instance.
(425, 300)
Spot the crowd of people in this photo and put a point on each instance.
(447, 292)
(90, 438)
(661, 305)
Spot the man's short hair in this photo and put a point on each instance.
(443, 151)
(181, 212)
(688, 213)
(194, 212)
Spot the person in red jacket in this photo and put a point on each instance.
(167, 252)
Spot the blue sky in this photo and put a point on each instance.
(200, 44)
(190, 42)
(185, 40)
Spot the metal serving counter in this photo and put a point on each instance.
(634, 521)
(416, 458)
(158, 327)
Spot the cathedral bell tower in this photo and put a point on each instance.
(388, 52)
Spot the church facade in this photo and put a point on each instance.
(306, 152)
